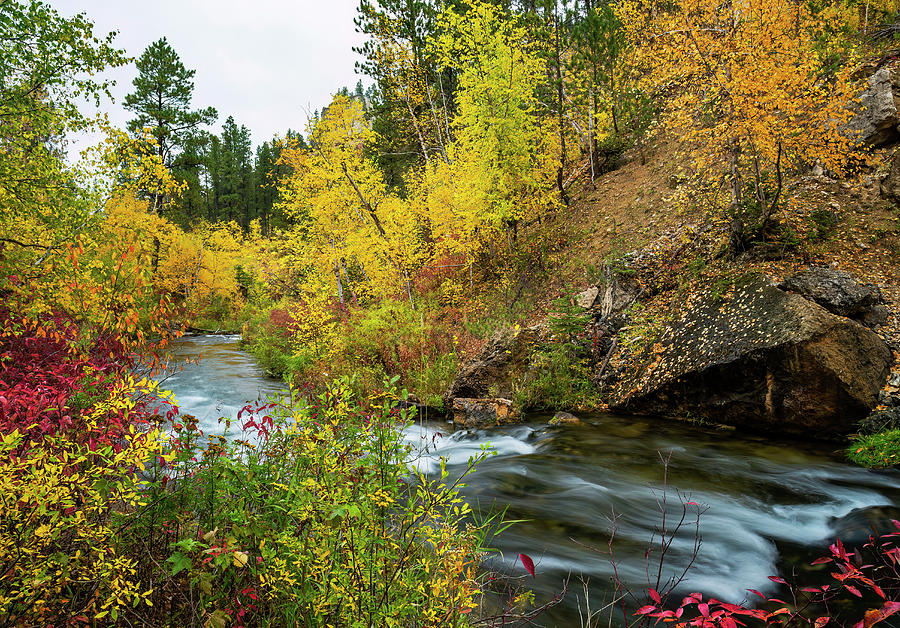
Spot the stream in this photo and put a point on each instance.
(768, 506)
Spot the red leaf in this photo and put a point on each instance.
(703, 608)
(821, 561)
(728, 622)
(654, 595)
(527, 563)
(821, 621)
(853, 590)
(644, 610)
(755, 592)
(777, 579)
(876, 615)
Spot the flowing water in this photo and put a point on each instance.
(767, 506)
(213, 379)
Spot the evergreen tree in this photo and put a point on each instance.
(235, 169)
(264, 191)
(189, 166)
(268, 173)
(212, 160)
(161, 100)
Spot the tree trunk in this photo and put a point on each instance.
(560, 113)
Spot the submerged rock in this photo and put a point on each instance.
(483, 413)
(765, 359)
(855, 528)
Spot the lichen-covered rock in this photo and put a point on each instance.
(498, 367)
(483, 413)
(766, 360)
(874, 122)
(835, 290)
(587, 298)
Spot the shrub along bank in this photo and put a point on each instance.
(113, 514)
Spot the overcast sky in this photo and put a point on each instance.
(266, 62)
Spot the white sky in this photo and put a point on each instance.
(266, 62)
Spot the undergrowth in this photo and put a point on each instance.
(877, 450)
(308, 517)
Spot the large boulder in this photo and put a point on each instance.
(498, 367)
(835, 290)
(874, 121)
(766, 360)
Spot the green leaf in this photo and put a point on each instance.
(218, 619)
(206, 583)
(180, 562)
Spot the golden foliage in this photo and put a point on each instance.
(744, 84)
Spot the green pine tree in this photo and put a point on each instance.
(161, 101)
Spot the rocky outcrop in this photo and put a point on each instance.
(498, 367)
(874, 122)
(765, 359)
(890, 185)
(608, 300)
(839, 293)
(620, 292)
(483, 413)
(587, 298)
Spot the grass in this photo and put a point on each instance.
(876, 451)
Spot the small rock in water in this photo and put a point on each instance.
(565, 418)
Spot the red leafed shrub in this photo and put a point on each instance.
(429, 278)
(870, 574)
(49, 374)
(281, 320)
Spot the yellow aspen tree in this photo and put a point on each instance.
(502, 164)
(744, 81)
(344, 215)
